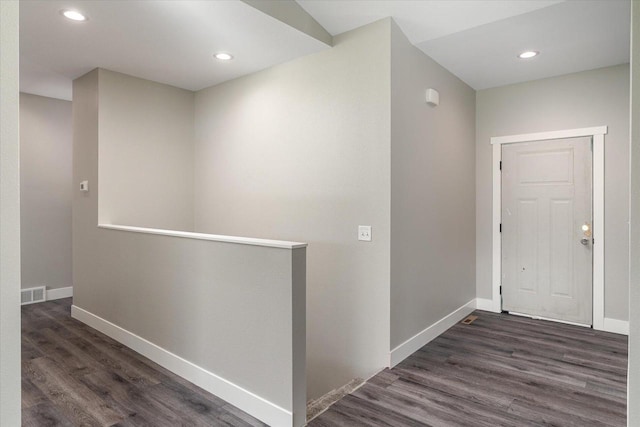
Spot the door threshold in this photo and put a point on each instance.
(548, 319)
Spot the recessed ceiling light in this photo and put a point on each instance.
(74, 15)
(528, 54)
(223, 56)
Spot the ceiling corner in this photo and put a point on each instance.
(292, 14)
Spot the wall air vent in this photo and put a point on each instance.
(33, 295)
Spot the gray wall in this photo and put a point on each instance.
(194, 298)
(146, 153)
(590, 98)
(45, 191)
(9, 217)
(300, 152)
(432, 192)
(633, 396)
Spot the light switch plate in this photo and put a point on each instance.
(364, 233)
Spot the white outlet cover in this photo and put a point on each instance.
(364, 233)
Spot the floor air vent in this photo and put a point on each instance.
(31, 295)
(469, 320)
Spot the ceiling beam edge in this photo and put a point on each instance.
(292, 14)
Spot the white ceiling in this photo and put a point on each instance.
(166, 41)
(173, 41)
(478, 40)
(572, 36)
(420, 20)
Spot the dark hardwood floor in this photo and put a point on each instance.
(499, 371)
(73, 375)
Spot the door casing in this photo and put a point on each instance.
(597, 133)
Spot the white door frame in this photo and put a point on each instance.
(598, 134)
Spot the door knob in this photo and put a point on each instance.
(584, 241)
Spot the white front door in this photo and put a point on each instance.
(546, 229)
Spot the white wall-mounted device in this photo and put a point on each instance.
(364, 233)
(433, 97)
(84, 186)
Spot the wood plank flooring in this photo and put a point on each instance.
(501, 370)
(73, 375)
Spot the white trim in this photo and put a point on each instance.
(484, 304)
(496, 278)
(616, 326)
(422, 338)
(598, 210)
(598, 232)
(545, 136)
(59, 293)
(213, 237)
(245, 400)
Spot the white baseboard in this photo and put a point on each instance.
(616, 326)
(484, 304)
(59, 293)
(419, 340)
(250, 403)
(610, 325)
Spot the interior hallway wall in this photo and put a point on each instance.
(45, 191)
(9, 215)
(146, 153)
(229, 309)
(300, 151)
(432, 192)
(590, 98)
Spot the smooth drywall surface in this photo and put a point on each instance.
(590, 98)
(300, 152)
(432, 192)
(45, 191)
(633, 395)
(9, 217)
(227, 308)
(146, 153)
(292, 14)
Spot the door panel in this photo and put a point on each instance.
(547, 167)
(561, 248)
(546, 199)
(527, 253)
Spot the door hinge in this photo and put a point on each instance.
(500, 289)
(500, 164)
(501, 227)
